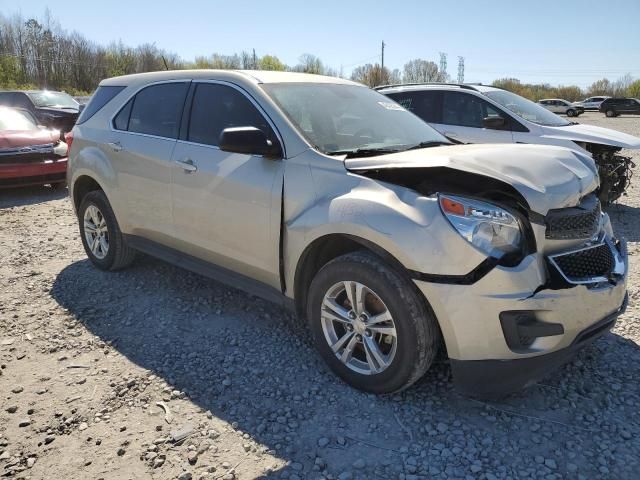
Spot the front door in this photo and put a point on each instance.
(226, 206)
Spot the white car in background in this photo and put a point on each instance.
(483, 114)
(591, 103)
(561, 107)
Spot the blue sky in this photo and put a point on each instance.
(560, 42)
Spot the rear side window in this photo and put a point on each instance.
(100, 98)
(155, 110)
(121, 122)
(426, 105)
(216, 107)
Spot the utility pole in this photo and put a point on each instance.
(460, 69)
(382, 56)
(443, 66)
(254, 59)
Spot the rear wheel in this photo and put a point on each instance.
(371, 324)
(101, 236)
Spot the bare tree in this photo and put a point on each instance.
(421, 71)
(374, 75)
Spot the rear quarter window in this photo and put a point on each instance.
(100, 98)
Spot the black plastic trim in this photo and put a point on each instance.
(469, 279)
(210, 270)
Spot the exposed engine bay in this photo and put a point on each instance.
(615, 171)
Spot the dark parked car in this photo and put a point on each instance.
(29, 154)
(612, 107)
(52, 109)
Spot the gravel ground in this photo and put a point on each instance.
(155, 372)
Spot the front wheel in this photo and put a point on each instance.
(371, 324)
(610, 113)
(101, 236)
(571, 113)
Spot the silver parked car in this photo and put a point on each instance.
(591, 103)
(330, 198)
(561, 107)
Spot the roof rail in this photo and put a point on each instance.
(467, 86)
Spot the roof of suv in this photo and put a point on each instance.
(403, 87)
(255, 76)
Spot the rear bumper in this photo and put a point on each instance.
(497, 378)
(19, 174)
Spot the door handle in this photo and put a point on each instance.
(450, 134)
(115, 146)
(187, 165)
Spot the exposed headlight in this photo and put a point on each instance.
(491, 229)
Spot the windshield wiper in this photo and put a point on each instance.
(429, 143)
(364, 152)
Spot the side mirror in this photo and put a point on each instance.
(249, 140)
(493, 122)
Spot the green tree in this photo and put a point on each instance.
(634, 89)
(271, 62)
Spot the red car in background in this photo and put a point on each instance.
(30, 154)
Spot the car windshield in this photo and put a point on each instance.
(53, 99)
(526, 109)
(15, 120)
(350, 119)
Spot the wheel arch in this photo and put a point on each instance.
(81, 186)
(324, 249)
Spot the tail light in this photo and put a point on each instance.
(68, 139)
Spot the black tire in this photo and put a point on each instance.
(571, 113)
(119, 255)
(610, 113)
(418, 333)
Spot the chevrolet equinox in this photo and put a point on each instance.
(332, 199)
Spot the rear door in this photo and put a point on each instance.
(226, 206)
(462, 119)
(425, 104)
(143, 137)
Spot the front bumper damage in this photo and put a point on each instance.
(515, 325)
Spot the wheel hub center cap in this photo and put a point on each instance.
(359, 326)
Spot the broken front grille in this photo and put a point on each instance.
(30, 154)
(599, 263)
(578, 222)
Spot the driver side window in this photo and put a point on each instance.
(216, 107)
(466, 110)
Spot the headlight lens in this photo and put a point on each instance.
(491, 229)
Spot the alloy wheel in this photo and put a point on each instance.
(96, 232)
(358, 327)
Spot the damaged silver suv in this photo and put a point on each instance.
(330, 198)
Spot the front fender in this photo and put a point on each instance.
(403, 223)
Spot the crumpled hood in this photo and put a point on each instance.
(592, 134)
(26, 138)
(547, 177)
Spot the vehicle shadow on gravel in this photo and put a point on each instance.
(17, 197)
(249, 363)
